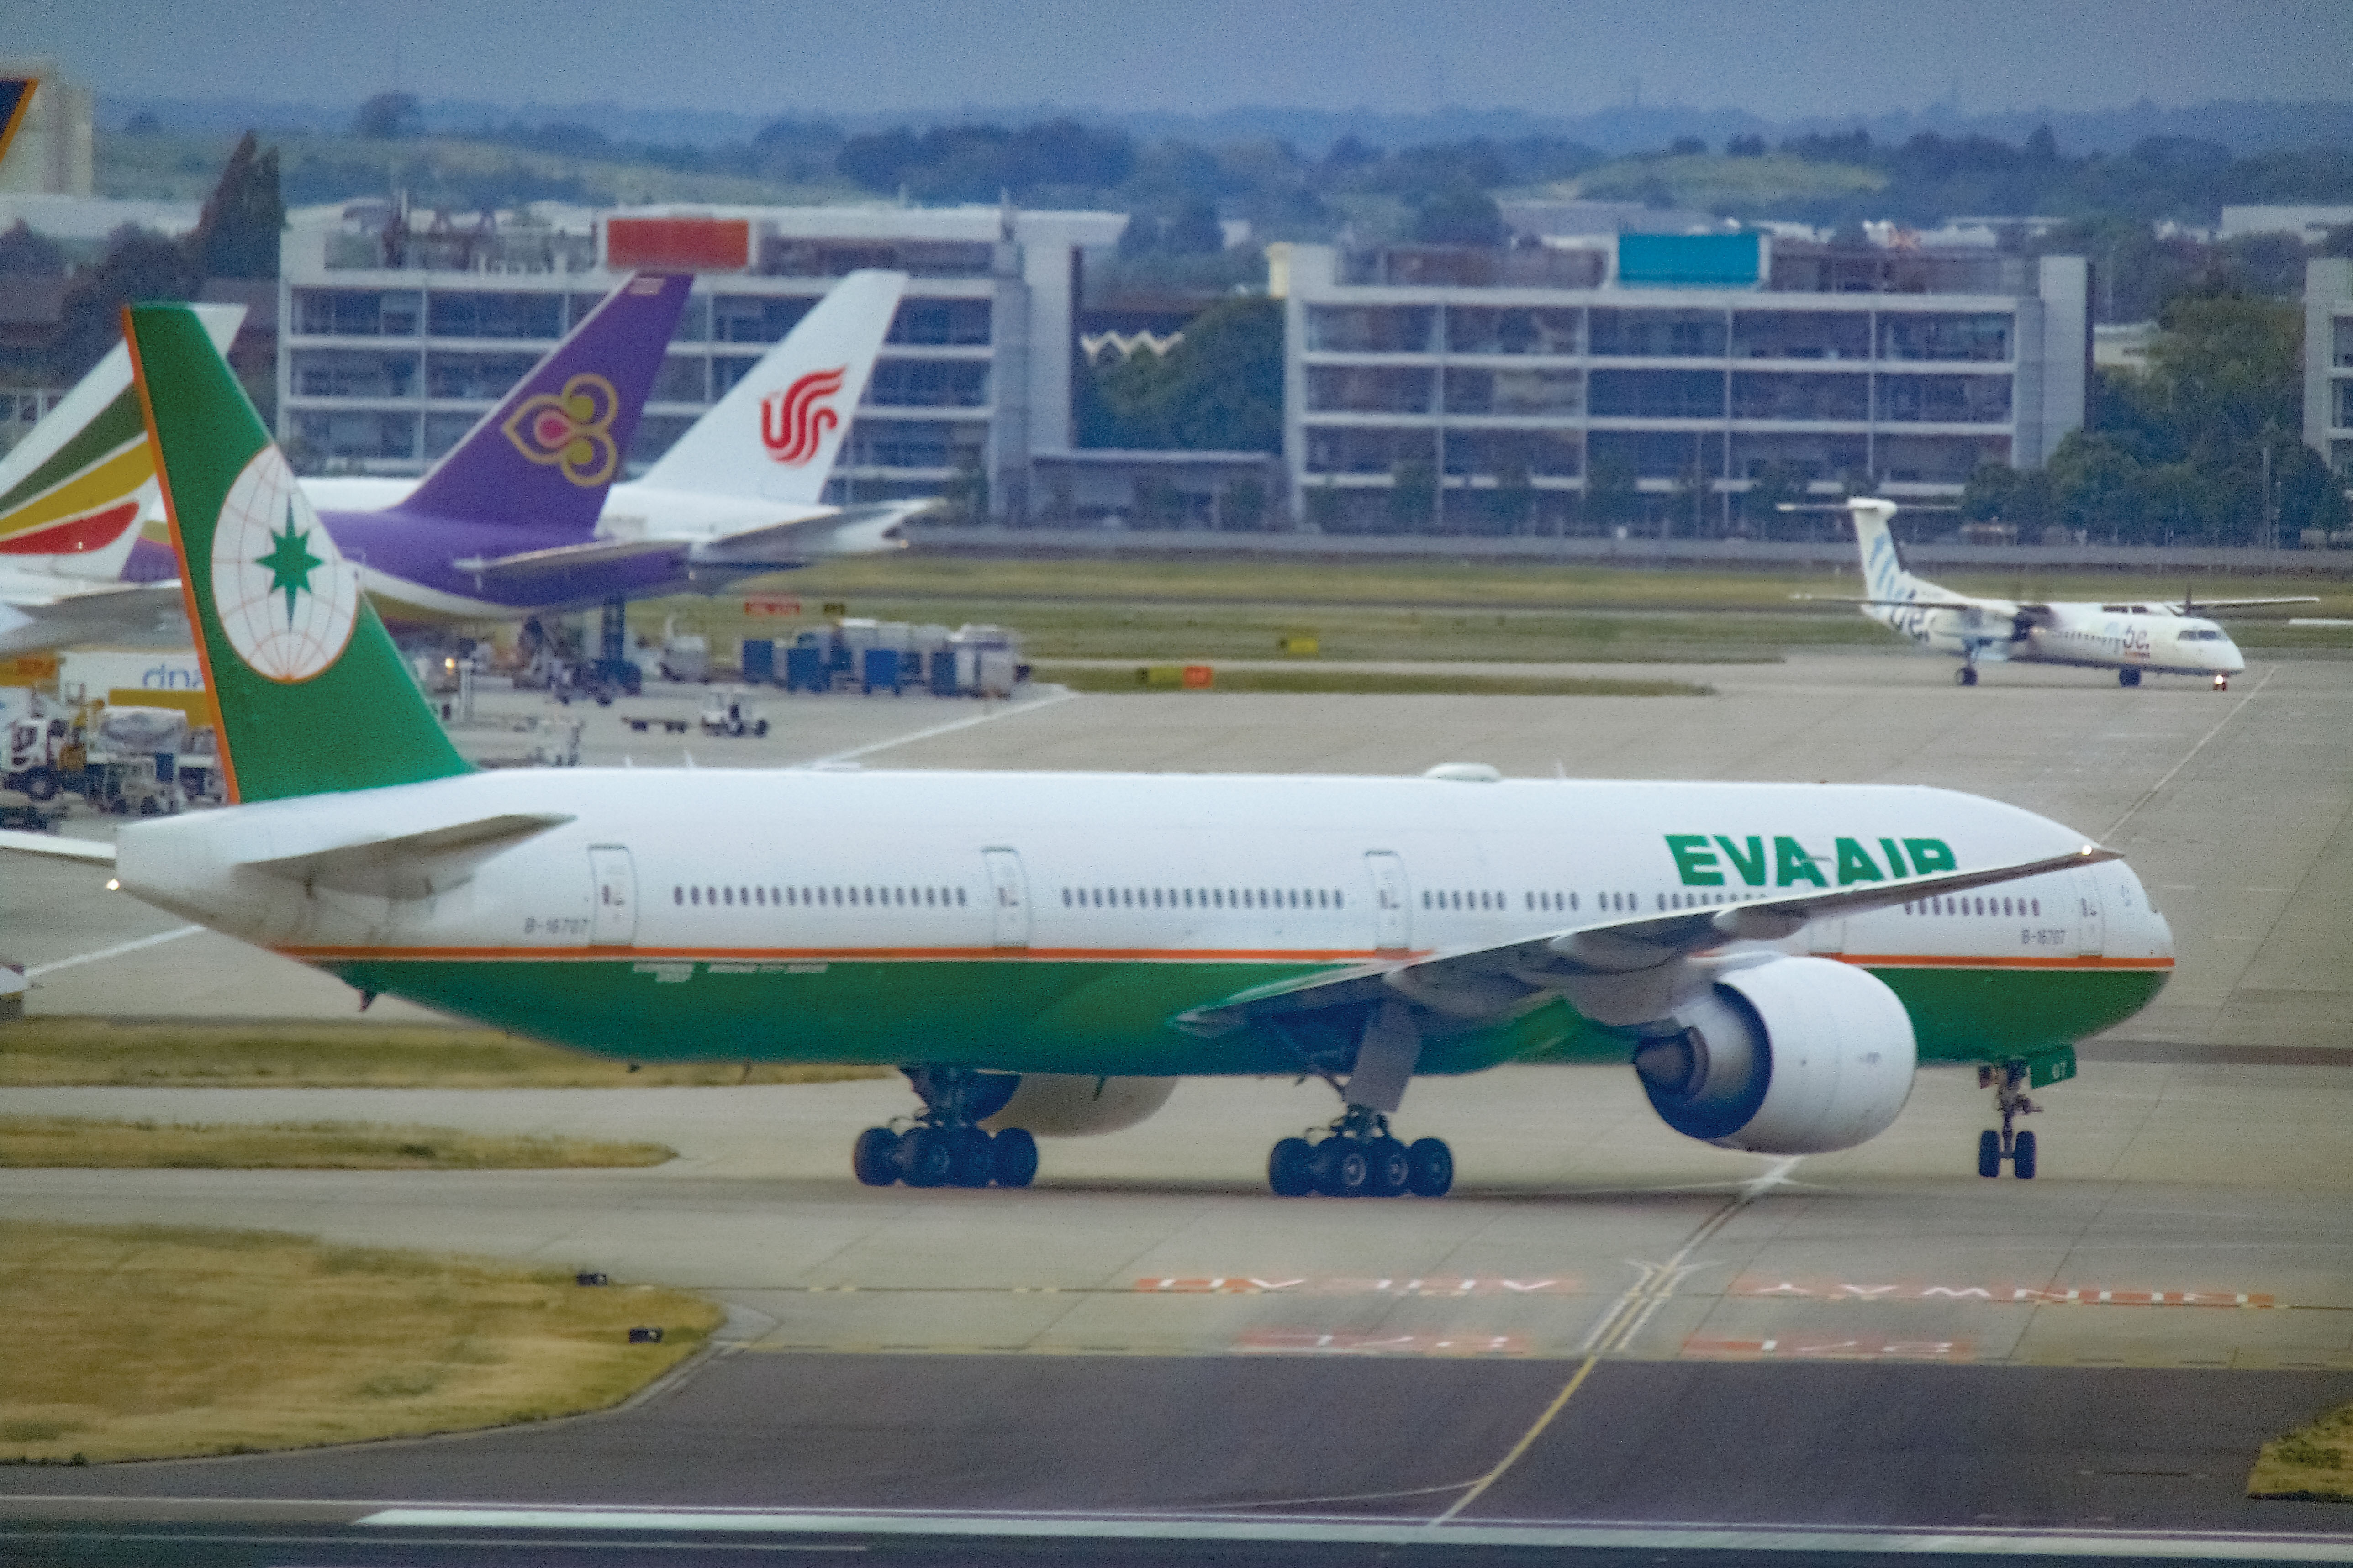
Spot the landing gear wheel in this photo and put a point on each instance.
(925, 1157)
(1966, 676)
(1430, 1168)
(1014, 1155)
(875, 1157)
(1389, 1171)
(969, 1157)
(2221, 683)
(41, 784)
(1989, 1152)
(1341, 1169)
(2128, 677)
(2022, 1163)
(1290, 1168)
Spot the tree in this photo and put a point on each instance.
(1219, 389)
(1243, 507)
(138, 264)
(1776, 485)
(237, 235)
(386, 116)
(1413, 495)
(23, 254)
(1693, 488)
(1459, 216)
(1514, 499)
(1612, 493)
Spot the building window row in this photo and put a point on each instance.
(1652, 454)
(1605, 333)
(547, 314)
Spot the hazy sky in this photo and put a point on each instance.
(1779, 58)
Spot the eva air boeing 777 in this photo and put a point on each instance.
(1047, 952)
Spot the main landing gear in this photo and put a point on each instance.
(2128, 677)
(945, 1147)
(1356, 1158)
(2016, 1147)
(1966, 676)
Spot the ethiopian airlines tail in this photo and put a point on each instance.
(775, 435)
(554, 445)
(71, 492)
(312, 694)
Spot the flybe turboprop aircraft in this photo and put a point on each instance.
(2129, 638)
(1047, 952)
(70, 497)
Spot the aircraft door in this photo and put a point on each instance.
(613, 914)
(2091, 918)
(1392, 901)
(1008, 899)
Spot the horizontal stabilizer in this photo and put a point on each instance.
(56, 848)
(852, 530)
(410, 865)
(1494, 980)
(531, 565)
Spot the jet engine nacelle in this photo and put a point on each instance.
(1064, 1105)
(1797, 1056)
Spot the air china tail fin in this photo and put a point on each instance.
(775, 435)
(1884, 576)
(72, 491)
(550, 450)
(312, 694)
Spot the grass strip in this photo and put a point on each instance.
(2311, 1464)
(1306, 678)
(89, 1051)
(160, 1344)
(29, 1143)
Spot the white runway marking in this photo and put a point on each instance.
(1594, 1536)
(117, 951)
(1007, 711)
(2236, 709)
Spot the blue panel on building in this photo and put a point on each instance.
(1690, 261)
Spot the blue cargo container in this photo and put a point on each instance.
(804, 668)
(881, 672)
(759, 660)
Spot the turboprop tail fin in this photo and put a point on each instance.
(310, 693)
(554, 444)
(1884, 576)
(775, 435)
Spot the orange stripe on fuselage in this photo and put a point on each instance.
(1990, 961)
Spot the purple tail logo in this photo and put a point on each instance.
(571, 429)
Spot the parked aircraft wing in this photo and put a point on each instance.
(851, 530)
(2201, 607)
(1898, 603)
(1481, 982)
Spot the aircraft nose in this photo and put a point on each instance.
(2227, 659)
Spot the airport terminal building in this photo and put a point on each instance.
(399, 330)
(2328, 361)
(1697, 362)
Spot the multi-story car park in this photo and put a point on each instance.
(1694, 361)
(400, 332)
(2328, 363)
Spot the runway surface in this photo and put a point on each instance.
(1869, 1346)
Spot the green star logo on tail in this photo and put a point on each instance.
(291, 563)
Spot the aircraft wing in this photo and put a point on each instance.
(1486, 982)
(1900, 604)
(529, 565)
(36, 613)
(54, 847)
(2198, 607)
(851, 530)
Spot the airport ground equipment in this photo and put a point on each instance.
(1772, 961)
(731, 714)
(2131, 637)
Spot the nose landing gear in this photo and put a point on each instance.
(1356, 1157)
(945, 1147)
(2010, 1101)
(2221, 683)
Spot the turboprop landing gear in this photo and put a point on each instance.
(1356, 1156)
(1966, 676)
(945, 1147)
(2009, 1144)
(2128, 677)
(2221, 683)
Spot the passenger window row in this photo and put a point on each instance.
(2011, 908)
(1203, 898)
(815, 898)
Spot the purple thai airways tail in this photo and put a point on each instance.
(547, 455)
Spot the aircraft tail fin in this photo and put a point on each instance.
(310, 694)
(1884, 576)
(72, 491)
(556, 443)
(775, 435)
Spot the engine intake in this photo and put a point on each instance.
(1068, 1105)
(1798, 1055)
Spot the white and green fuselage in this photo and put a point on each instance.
(1066, 923)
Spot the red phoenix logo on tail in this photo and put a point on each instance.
(794, 422)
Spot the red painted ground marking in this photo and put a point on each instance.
(2033, 1295)
(1307, 1285)
(1826, 1347)
(1306, 1342)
